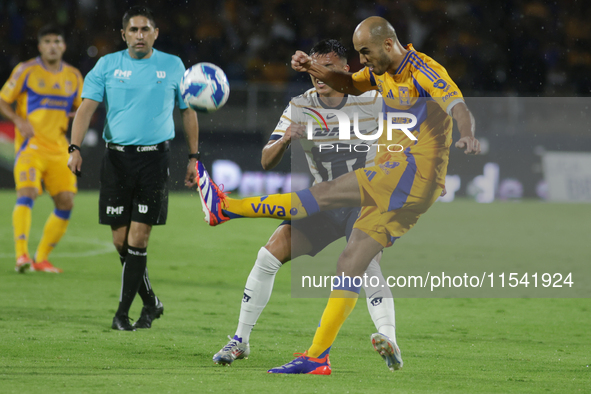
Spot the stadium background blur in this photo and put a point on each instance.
(520, 49)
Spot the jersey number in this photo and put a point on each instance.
(337, 161)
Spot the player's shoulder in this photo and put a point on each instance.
(26, 66)
(305, 99)
(422, 64)
(310, 93)
(168, 58)
(67, 67)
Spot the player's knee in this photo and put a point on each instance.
(29, 192)
(278, 252)
(64, 201)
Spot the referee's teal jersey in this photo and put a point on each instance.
(139, 95)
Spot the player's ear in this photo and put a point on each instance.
(123, 35)
(156, 31)
(346, 68)
(388, 44)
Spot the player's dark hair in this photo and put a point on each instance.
(138, 11)
(325, 47)
(50, 29)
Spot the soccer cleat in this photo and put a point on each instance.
(45, 266)
(23, 263)
(149, 314)
(212, 198)
(122, 323)
(389, 351)
(234, 350)
(305, 365)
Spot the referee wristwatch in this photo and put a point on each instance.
(73, 147)
(195, 156)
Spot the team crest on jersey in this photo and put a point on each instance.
(404, 95)
(69, 87)
(41, 83)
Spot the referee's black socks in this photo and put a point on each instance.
(145, 291)
(134, 270)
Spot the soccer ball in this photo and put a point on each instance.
(205, 87)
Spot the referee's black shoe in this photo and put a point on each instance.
(149, 314)
(122, 323)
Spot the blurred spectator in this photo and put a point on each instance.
(519, 47)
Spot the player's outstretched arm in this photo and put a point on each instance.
(79, 129)
(338, 80)
(191, 127)
(466, 126)
(274, 150)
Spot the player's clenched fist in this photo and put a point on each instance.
(300, 61)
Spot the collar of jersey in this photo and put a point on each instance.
(410, 49)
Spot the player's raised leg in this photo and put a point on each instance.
(219, 208)
(21, 223)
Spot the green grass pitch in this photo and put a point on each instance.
(55, 334)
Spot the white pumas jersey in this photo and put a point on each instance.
(328, 156)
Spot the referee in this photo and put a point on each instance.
(140, 87)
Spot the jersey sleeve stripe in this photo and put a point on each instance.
(425, 66)
(421, 69)
(404, 61)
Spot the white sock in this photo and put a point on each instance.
(257, 292)
(380, 302)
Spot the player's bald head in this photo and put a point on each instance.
(374, 29)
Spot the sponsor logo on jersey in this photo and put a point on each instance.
(449, 95)
(122, 74)
(161, 74)
(49, 102)
(114, 210)
(142, 208)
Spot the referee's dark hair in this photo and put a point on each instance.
(50, 29)
(138, 11)
(327, 46)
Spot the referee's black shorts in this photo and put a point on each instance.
(134, 185)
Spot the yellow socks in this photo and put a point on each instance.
(54, 229)
(287, 206)
(21, 223)
(340, 304)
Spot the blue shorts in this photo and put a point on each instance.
(324, 228)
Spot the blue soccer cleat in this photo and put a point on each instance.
(389, 351)
(212, 198)
(305, 365)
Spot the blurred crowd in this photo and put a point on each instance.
(513, 47)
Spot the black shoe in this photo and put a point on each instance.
(122, 323)
(149, 314)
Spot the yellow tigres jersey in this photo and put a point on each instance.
(44, 98)
(420, 86)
